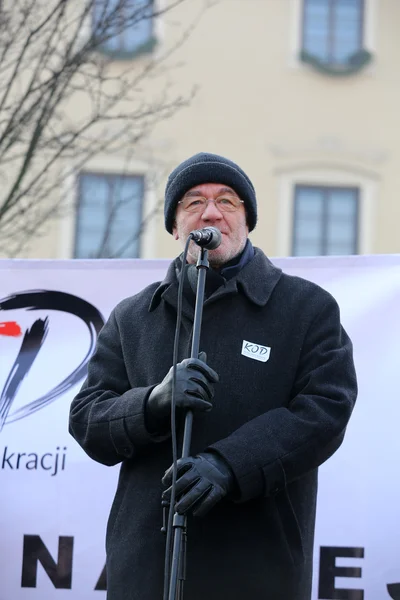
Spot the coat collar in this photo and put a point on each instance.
(256, 280)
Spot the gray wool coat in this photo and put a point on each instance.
(274, 422)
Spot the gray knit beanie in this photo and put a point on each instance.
(208, 168)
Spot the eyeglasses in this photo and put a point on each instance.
(199, 204)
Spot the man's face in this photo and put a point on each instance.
(231, 224)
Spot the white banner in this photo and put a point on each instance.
(55, 501)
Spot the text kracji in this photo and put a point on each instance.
(52, 462)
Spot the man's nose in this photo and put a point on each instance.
(211, 211)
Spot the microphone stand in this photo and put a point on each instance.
(178, 565)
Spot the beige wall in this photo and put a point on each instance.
(281, 121)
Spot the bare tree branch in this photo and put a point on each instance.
(54, 55)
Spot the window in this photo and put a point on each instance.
(333, 30)
(325, 220)
(109, 216)
(126, 24)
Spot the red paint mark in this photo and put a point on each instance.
(10, 328)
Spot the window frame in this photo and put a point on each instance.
(296, 59)
(107, 175)
(326, 189)
(122, 53)
(332, 33)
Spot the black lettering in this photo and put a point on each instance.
(394, 590)
(263, 350)
(63, 459)
(60, 572)
(248, 346)
(101, 585)
(34, 461)
(41, 462)
(255, 348)
(55, 467)
(7, 459)
(328, 571)
(19, 458)
(56, 463)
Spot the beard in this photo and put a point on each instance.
(218, 257)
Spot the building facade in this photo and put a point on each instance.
(303, 94)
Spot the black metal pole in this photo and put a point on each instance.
(180, 522)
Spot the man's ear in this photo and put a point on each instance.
(175, 231)
(247, 221)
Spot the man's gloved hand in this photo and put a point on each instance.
(194, 390)
(202, 481)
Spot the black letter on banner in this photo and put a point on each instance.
(394, 590)
(328, 571)
(102, 582)
(35, 551)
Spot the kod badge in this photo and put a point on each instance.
(256, 351)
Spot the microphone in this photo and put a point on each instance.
(209, 237)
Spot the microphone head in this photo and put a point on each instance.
(215, 238)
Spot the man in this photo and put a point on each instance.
(281, 385)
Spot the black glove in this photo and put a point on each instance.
(202, 481)
(194, 390)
